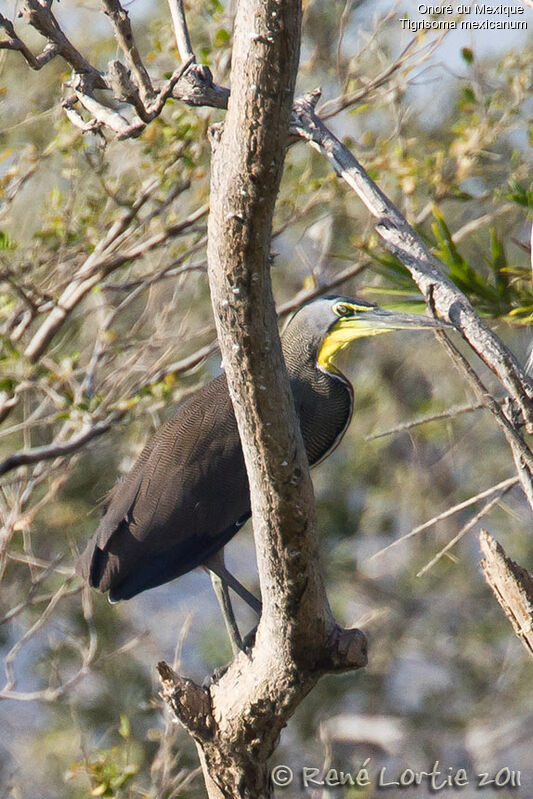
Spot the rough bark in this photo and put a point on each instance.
(512, 586)
(237, 721)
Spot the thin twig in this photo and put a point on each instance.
(39, 563)
(88, 654)
(56, 449)
(487, 507)
(488, 492)
(181, 31)
(123, 32)
(332, 107)
(522, 455)
(39, 16)
(435, 417)
(481, 221)
(11, 656)
(306, 295)
(13, 42)
(33, 600)
(102, 261)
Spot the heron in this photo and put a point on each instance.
(188, 495)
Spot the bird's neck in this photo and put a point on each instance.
(323, 399)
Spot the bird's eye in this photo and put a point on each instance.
(341, 309)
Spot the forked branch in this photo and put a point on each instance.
(128, 83)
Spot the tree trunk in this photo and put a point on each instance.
(238, 720)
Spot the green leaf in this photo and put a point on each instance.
(467, 55)
(461, 272)
(520, 193)
(498, 265)
(214, 7)
(205, 53)
(6, 243)
(222, 37)
(7, 384)
(125, 729)
(468, 96)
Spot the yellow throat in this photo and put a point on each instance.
(341, 334)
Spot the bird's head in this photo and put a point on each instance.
(331, 323)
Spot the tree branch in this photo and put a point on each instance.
(191, 83)
(522, 455)
(181, 30)
(451, 413)
(14, 43)
(39, 16)
(500, 487)
(58, 449)
(512, 586)
(124, 35)
(471, 523)
(285, 661)
(102, 261)
(103, 115)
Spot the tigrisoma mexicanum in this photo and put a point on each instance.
(188, 494)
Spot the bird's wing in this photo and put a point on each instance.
(188, 486)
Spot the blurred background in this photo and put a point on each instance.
(442, 121)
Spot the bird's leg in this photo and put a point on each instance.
(222, 579)
(221, 590)
(216, 564)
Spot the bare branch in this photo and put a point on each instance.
(181, 31)
(35, 599)
(191, 703)
(480, 221)
(11, 656)
(46, 565)
(332, 107)
(124, 36)
(107, 116)
(487, 507)
(19, 175)
(306, 295)
(87, 652)
(58, 449)
(489, 492)
(522, 455)
(512, 586)
(90, 126)
(434, 417)
(40, 17)
(14, 43)
(196, 88)
(191, 83)
(102, 261)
